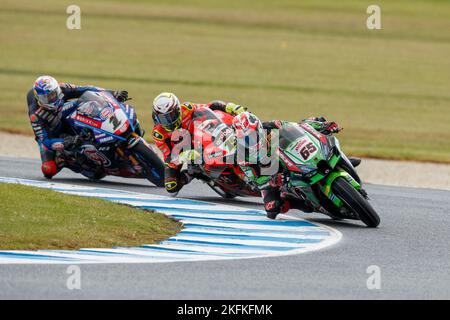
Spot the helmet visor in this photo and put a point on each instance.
(169, 120)
(50, 99)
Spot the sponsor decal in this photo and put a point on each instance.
(67, 106)
(105, 113)
(222, 135)
(301, 143)
(215, 154)
(95, 156)
(106, 139)
(105, 148)
(291, 166)
(122, 129)
(305, 148)
(314, 132)
(115, 122)
(158, 135)
(88, 121)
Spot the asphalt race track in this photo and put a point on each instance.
(411, 248)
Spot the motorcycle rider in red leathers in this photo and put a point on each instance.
(169, 116)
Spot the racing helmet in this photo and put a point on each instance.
(166, 111)
(48, 93)
(249, 133)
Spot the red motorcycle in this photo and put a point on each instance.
(213, 143)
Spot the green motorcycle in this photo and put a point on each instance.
(318, 172)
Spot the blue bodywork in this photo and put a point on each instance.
(92, 105)
(101, 136)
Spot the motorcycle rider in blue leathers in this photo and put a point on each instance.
(46, 109)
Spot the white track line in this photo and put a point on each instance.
(211, 232)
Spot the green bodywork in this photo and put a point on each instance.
(294, 141)
(326, 186)
(324, 180)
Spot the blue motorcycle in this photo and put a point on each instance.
(109, 141)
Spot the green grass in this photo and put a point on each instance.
(286, 59)
(33, 218)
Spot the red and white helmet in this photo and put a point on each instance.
(248, 130)
(167, 111)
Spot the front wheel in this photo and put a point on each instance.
(355, 202)
(150, 162)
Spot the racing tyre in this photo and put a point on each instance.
(354, 201)
(150, 162)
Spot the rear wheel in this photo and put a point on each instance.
(150, 162)
(355, 202)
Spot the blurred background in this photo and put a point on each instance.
(285, 59)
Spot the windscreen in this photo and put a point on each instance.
(290, 133)
(91, 104)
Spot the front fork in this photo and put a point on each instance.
(132, 142)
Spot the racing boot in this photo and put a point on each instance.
(49, 169)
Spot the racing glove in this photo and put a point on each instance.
(121, 95)
(329, 127)
(70, 141)
(322, 125)
(65, 143)
(234, 109)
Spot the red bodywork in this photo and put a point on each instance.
(231, 178)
